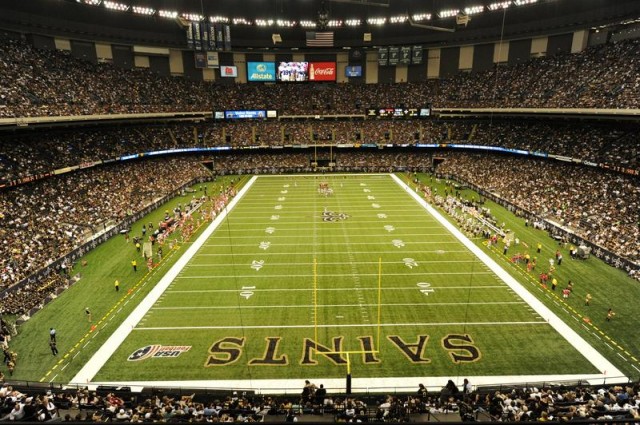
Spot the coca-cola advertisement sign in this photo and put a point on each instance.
(322, 71)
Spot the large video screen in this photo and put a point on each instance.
(293, 71)
(245, 114)
(353, 71)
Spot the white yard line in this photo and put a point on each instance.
(377, 235)
(258, 276)
(354, 325)
(582, 346)
(335, 263)
(282, 226)
(260, 307)
(100, 357)
(252, 254)
(350, 289)
(340, 244)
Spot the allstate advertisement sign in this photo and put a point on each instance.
(261, 71)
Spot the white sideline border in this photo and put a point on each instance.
(293, 386)
(572, 337)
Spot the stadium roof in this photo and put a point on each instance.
(253, 22)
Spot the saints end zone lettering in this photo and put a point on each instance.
(225, 351)
(461, 348)
(310, 346)
(412, 351)
(228, 350)
(270, 358)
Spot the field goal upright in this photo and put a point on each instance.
(376, 343)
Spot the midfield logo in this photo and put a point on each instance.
(158, 351)
(334, 216)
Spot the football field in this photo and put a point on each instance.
(306, 277)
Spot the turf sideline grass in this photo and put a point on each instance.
(97, 361)
(609, 371)
(371, 384)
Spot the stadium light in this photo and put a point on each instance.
(398, 19)
(216, 19)
(264, 22)
(353, 22)
(499, 5)
(193, 17)
(112, 5)
(90, 2)
(171, 14)
(524, 2)
(376, 21)
(334, 23)
(307, 24)
(473, 10)
(421, 17)
(141, 10)
(240, 21)
(285, 23)
(448, 13)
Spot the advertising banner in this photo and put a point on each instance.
(353, 71)
(261, 71)
(229, 71)
(322, 71)
(213, 61)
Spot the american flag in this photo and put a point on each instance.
(319, 39)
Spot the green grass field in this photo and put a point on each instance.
(392, 285)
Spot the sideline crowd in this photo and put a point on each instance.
(599, 206)
(514, 404)
(45, 220)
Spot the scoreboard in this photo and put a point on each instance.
(399, 112)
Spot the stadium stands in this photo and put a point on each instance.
(31, 154)
(512, 404)
(46, 83)
(44, 220)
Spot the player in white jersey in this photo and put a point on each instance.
(285, 73)
(301, 72)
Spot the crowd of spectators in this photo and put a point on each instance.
(601, 207)
(31, 154)
(561, 403)
(547, 403)
(42, 221)
(49, 83)
(45, 220)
